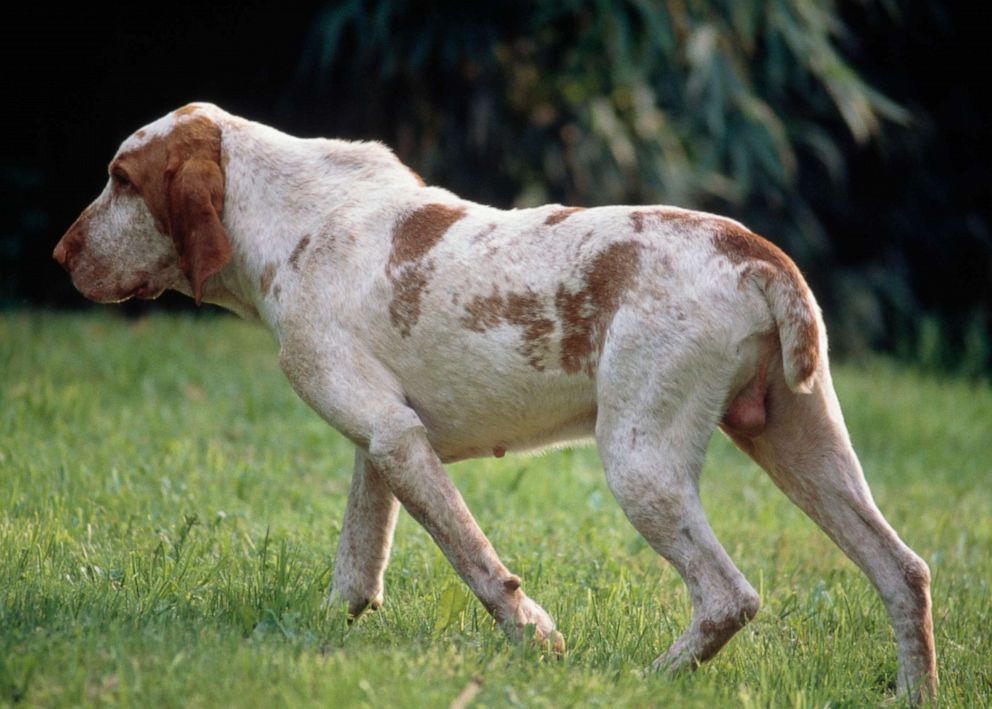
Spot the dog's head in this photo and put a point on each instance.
(158, 222)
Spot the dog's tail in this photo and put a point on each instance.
(799, 322)
(801, 334)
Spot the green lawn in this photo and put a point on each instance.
(169, 511)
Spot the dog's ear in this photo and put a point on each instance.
(195, 205)
(181, 178)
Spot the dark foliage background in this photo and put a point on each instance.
(854, 134)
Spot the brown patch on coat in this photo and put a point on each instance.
(637, 219)
(182, 182)
(484, 312)
(187, 109)
(561, 215)
(413, 238)
(326, 244)
(716, 634)
(917, 577)
(484, 234)
(670, 216)
(418, 232)
(742, 247)
(526, 312)
(301, 246)
(587, 313)
(408, 289)
(523, 310)
(265, 280)
(140, 133)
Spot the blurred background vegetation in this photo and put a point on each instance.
(854, 134)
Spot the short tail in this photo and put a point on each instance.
(793, 307)
(797, 317)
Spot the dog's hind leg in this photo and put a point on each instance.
(652, 433)
(804, 447)
(366, 539)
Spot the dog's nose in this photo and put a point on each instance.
(59, 253)
(67, 248)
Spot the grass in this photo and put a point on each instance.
(169, 511)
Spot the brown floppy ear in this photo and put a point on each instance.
(195, 207)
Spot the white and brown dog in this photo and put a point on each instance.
(427, 329)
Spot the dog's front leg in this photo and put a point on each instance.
(400, 449)
(363, 400)
(366, 538)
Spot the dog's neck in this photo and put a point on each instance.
(325, 184)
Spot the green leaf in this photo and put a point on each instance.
(450, 607)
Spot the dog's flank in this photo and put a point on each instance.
(427, 329)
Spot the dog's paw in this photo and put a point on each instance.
(357, 604)
(529, 613)
(671, 664)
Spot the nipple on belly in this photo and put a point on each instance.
(499, 451)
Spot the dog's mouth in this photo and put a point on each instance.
(147, 291)
(144, 289)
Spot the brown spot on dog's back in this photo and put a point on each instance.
(561, 215)
(740, 246)
(187, 109)
(671, 217)
(140, 134)
(265, 280)
(413, 238)
(301, 246)
(587, 313)
(637, 219)
(415, 235)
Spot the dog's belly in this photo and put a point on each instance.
(472, 416)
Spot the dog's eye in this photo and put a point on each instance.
(120, 178)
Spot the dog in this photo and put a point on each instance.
(429, 329)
